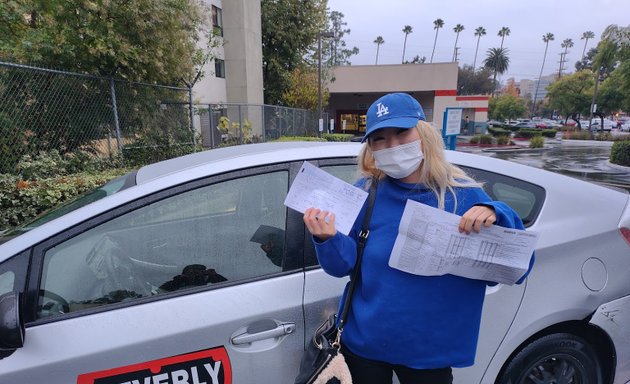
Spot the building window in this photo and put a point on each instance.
(217, 21)
(219, 68)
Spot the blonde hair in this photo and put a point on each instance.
(436, 172)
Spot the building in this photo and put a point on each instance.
(235, 75)
(433, 85)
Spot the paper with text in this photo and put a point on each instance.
(429, 244)
(315, 188)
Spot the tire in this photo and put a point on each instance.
(554, 359)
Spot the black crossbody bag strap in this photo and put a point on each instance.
(362, 239)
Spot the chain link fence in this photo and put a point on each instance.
(43, 110)
(233, 124)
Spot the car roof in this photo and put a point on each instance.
(295, 149)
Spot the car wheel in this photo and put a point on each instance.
(554, 359)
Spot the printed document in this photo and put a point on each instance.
(429, 244)
(315, 188)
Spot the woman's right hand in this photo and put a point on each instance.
(320, 223)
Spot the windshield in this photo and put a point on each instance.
(111, 187)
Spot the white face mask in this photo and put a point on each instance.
(400, 161)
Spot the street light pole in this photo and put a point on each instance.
(319, 74)
(593, 105)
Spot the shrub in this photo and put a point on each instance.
(481, 139)
(620, 153)
(551, 133)
(337, 136)
(503, 140)
(528, 133)
(299, 138)
(537, 142)
(578, 135)
(21, 200)
(498, 131)
(51, 164)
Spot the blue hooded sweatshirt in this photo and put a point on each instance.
(422, 322)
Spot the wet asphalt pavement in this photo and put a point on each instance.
(584, 162)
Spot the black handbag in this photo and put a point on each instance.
(322, 362)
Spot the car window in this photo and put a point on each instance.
(525, 198)
(227, 232)
(13, 273)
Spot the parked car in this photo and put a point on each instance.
(596, 124)
(625, 127)
(525, 124)
(193, 268)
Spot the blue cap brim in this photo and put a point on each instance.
(399, 122)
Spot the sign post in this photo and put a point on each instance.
(452, 126)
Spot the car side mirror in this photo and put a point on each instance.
(11, 323)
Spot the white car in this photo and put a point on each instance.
(596, 124)
(625, 127)
(192, 270)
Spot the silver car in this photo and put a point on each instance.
(193, 271)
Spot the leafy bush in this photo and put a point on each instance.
(620, 153)
(22, 200)
(537, 142)
(481, 139)
(498, 131)
(299, 138)
(51, 164)
(528, 133)
(503, 140)
(337, 136)
(578, 135)
(551, 133)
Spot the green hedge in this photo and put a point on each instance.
(529, 133)
(337, 136)
(620, 153)
(481, 139)
(22, 200)
(494, 131)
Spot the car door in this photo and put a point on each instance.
(322, 291)
(196, 284)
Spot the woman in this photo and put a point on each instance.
(416, 326)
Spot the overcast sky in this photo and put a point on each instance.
(528, 21)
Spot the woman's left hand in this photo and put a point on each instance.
(475, 217)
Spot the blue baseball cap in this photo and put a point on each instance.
(394, 110)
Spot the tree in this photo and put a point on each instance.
(378, 41)
(407, 30)
(506, 107)
(302, 91)
(546, 39)
(587, 61)
(571, 94)
(437, 24)
(497, 59)
(416, 60)
(290, 30)
(566, 44)
(586, 36)
(471, 82)
(124, 39)
(510, 88)
(504, 31)
(479, 32)
(339, 52)
(457, 29)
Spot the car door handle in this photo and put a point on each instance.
(261, 330)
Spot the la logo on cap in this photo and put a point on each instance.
(381, 110)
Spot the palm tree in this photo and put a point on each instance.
(407, 30)
(437, 24)
(586, 36)
(566, 44)
(379, 40)
(497, 59)
(546, 39)
(480, 31)
(504, 31)
(457, 29)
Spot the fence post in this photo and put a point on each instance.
(112, 90)
(192, 125)
(240, 126)
(211, 119)
(264, 126)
